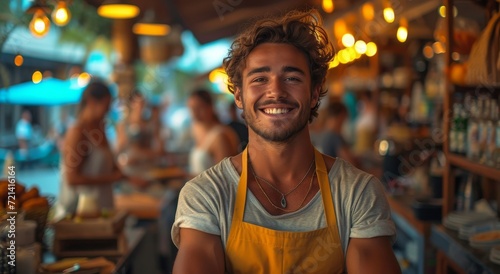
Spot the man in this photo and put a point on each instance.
(267, 210)
(332, 143)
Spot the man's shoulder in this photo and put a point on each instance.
(216, 179)
(347, 174)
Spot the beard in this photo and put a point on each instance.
(280, 131)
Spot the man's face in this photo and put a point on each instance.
(276, 91)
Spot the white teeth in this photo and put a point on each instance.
(275, 110)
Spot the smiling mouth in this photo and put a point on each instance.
(276, 110)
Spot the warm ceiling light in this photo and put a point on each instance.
(360, 46)
(339, 28)
(328, 6)
(371, 49)
(18, 60)
(151, 29)
(116, 9)
(348, 40)
(368, 11)
(36, 77)
(61, 14)
(40, 24)
(150, 26)
(389, 15)
(402, 33)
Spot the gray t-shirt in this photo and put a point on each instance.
(206, 204)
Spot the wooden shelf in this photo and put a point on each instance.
(480, 169)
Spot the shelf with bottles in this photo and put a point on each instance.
(480, 169)
(474, 135)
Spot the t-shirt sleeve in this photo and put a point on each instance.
(195, 210)
(371, 214)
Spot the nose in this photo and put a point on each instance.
(275, 88)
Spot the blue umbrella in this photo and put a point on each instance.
(50, 91)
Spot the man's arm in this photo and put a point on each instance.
(199, 252)
(371, 256)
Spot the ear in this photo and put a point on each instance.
(237, 98)
(315, 95)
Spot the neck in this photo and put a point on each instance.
(281, 163)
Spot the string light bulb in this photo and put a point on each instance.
(328, 6)
(371, 49)
(36, 77)
(348, 40)
(388, 13)
(402, 33)
(360, 47)
(18, 60)
(61, 14)
(40, 24)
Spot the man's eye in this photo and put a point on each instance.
(259, 79)
(294, 79)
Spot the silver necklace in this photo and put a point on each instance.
(283, 195)
(282, 209)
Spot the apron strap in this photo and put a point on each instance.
(241, 193)
(326, 193)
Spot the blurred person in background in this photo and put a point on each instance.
(24, 133)
(213, 141)
(139, 140)
(240, 128)
(365, 125)
(332, 142)
(88, 166)
(281, 206)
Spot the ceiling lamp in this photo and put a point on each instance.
(402, 33)
(368, 11)
(388, 13)
(61, 14)
(116, 9)
(40, 24)
(328, 6)
(149, 27)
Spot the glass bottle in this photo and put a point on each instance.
(473, 132)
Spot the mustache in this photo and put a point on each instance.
(275, 102)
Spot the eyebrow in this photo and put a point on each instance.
(268, 69)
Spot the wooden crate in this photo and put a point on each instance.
(90, 247)
(96, 228)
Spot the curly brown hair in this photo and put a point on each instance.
(300, 29)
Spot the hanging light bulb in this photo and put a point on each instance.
(36, 77)
(388, 13)
(328, 6)
(402, 33)
(18, 60)
(40, 24)
(371, 49)
(61, 14)
(360, 47)
(348, 40)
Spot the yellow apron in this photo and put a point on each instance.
(256, 249)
